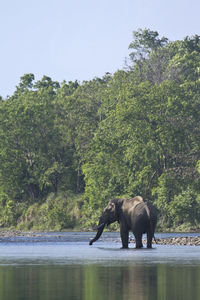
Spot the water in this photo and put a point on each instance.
(64, 266)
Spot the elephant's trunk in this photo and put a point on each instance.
(99, 233)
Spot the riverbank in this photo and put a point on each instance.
(187, 241)
(184, 240)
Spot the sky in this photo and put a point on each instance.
(82, 39)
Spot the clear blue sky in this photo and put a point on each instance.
(81, 39)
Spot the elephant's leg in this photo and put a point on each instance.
(149, 239)
(138, 239)
(124, 233)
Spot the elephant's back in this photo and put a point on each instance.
(133, 202)
(139, 207)
(134, 206)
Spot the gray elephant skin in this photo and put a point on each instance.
(133, 214)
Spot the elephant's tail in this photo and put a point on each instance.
(154, 239)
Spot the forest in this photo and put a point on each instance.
(66, 148)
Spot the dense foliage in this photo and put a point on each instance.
(66, 148)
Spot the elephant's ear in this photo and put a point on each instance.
(111, 207)
(114, 209)
(118, 208)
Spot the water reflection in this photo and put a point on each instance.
(89, 282)
(64, 266)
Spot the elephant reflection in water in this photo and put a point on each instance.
(133, 214)
(127, 282)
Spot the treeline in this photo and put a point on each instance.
(66, 148)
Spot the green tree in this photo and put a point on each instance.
(34, 157)
(81, 117)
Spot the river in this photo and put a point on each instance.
(63, 266)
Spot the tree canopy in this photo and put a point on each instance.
(136, 131)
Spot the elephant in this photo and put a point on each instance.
(133, 214)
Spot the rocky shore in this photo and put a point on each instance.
(13, 233)
(187, 241)
(184, 240)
